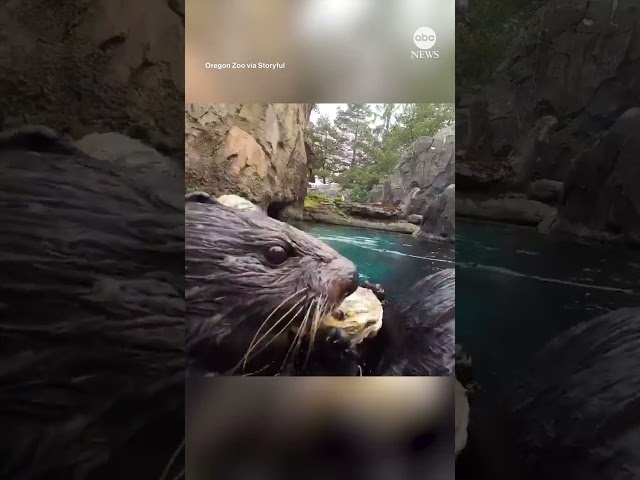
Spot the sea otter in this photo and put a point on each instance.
(256, 288)
(418, 334)
(244, 268)
(92, 308)
(573, 412)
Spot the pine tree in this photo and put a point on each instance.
(386, 113)
(354, 124)
(363, 145)
(324, 140)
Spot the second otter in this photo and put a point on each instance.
(254, 287)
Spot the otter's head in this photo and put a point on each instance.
(251, 281)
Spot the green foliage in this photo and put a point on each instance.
(315, 200)
(324, 173)
(325, 141)
(310, 202)
(365, 175)
(359, 194)
(363, 145)
(483, 42)
(353, 125)
(417, 120)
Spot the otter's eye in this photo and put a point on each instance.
(276, 255)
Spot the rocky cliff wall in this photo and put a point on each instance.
(422, 174)
(569, 76)
(601, 197)
(256, 151)
(439, 217)
(102, 66)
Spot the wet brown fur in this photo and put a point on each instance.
(92, 309)
(232, 289)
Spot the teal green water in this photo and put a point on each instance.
(396, 261)
(517, 289)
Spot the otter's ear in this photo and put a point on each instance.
(200, 197)
(36, 138)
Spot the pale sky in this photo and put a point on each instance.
(329, 109)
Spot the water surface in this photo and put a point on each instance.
(516, 289)
(395, 260)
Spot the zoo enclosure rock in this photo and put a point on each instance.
(568, 77)
(256, 151)
(439, 218)
(521, 211)
(545, 190)
(601, 197)
(374, 212)
(426, 169)
(101, 66)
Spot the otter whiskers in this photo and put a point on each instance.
(320, 312)
(248, 356)
(255, 341)
(297, 340)
(319, 307)
(282, 330)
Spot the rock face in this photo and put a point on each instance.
(102, 66)
(364, 215)
(545, 190)
(521, 211)
(380, 192)
(421, 175)
(253, 150)
(569, 76)
(374, 212)
(332, 218)
(439, 218)
(602, 191)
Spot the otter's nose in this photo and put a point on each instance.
(344, 281)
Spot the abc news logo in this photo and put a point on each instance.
(425, 38)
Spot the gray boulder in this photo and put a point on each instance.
(601, 196)
(521, 211)
(438, 220)
(424, 171)
(566, 80)
(545, 190)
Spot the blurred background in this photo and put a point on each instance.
(317, 428)
(333, 51)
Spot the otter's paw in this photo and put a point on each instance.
(338, 338)
(340, 341)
